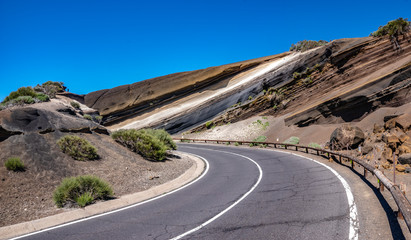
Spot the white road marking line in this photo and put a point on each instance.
(231, 206)
(354, 222)
(124, 208)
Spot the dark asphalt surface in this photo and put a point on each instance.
(296, 199)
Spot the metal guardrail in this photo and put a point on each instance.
(401, 200)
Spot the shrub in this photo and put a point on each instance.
(98, 118)
(50, 88)
(88, 117)
(305, 45)
(14, 164)
(77, 148)
(258, 140)
(21, 92)
(236, 144)
(209, 124)
(22, 100)
(314, 145)
(141, 142)
(163, 136)
(82, 190)
(292, 140)
(393, 28)
(85, 199)
(75, 104)
(42, 97)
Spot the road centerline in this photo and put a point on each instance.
(232, 205)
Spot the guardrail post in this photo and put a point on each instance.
(365, 173)
(352, 163)
(296, 148)
(306, 150)
(275, 145)
(339, 158)
(318, 153)
(285, 146)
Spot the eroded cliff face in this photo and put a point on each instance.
(351, 78)
(130, 100)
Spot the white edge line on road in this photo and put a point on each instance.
(124, 208)
(232, 205)
(354, 223)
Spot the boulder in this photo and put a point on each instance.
(366, 149)
(404, 149)
(387, 153)
(405, 158)
(390, 124)
(347, 136)
(403, 138)
(400, 168)
(404, 122)
(378, 128)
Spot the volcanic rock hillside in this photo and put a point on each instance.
(343, 81)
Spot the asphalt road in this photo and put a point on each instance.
(289, 197)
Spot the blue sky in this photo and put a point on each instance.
(94, 45)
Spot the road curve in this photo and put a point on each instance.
(294, 198)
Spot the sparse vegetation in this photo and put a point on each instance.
(14, 164)
(305, 45)
(82, 190)
(88, 117)
(50, 88)
(315, 145)
(75, 104)
(259, 123)
(28, 95)
(250, 98)
(292, 140)
(258, 141)
(209, 124)
(98, 119)
(236, 144)
(77, 148)
(394, 29)
(140, 141)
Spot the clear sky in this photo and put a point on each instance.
(94, 45)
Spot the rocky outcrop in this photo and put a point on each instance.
(129, 100)
(365, 77)
(24, 120)
(346, 137)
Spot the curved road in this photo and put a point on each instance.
(289, 197)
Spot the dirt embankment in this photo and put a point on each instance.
(31, 133)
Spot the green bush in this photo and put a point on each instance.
(50, 88)
(98, 118)
(393, 28)
(42, 97)
(77, 148)
(85, 199)
(141, 142)
(14, 164)
(82, 190)
(163, 136)
(22, 100)
(75, 104)
(23, 91)
(88, 117)
(209, 124)
(258, 140)
(292, 140)
(236, 144)
(314, 145)
(305, 45)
